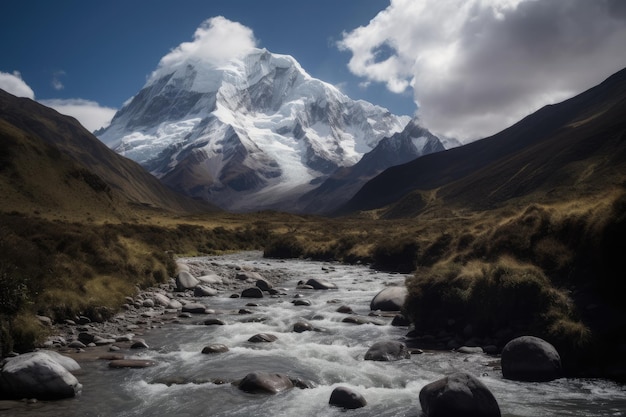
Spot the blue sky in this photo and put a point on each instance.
(468, 67)
(103, 51)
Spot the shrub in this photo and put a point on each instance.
(284, 246)
(397, 255)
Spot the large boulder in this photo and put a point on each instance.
(345, 397)
(459, 394)
(265, 383)
(253, 292)
(321, 284)
(389, 299)
(529, 358)
(38, 375)
(387, 350)
(185, 281)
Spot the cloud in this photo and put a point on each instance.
(13, 84)
(477, 66)
(215, 42)
(90, 114)
(57, 84)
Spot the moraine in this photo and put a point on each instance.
(185, 381)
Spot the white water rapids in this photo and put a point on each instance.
(329, 358)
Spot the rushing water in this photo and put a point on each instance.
(329, 358)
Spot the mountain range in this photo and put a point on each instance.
(50, 164)
(258, 132)
(576, 147)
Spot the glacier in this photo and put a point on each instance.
(256, 132)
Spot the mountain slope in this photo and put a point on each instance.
(414, 141)
(576, 146)
(50, 163)
(252, 133)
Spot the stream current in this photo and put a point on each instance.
(329, 358)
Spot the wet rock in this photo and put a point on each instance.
(389, 299)
(37, 375)
(470, 349)
(245, 311)
(530, 358)
(131, 363)
(459, 394)
(400, 320)
(139, 344)
(215, 348)
(301, 302)
(321, 284)
(185, 281)
(204, 291)
(76, 344)
(361, 320)
(345, 310)
(263, 338)
(302, 326)
(345, 397)
(253, 292)
(387, 350)
(213, 322)
(263, 284)
(265, 383)
(194, 308)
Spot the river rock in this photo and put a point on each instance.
(529, 358)
(253, 292)
(263, 338)
(361, 320)
(265, 383)
(345, 397)
(470, 349)
(302, 326)
(161, 299)
(389, 299)
(211, 279)
(37, 375)
(131, 363)
(263, 284)
(301, 302)
(387, 350)
(248, 276)
(175, 305)
(459, 394)
(321, 284)
(213, 322)
(194, 308)
(399, 320)
(204, 291)
(345, 310)
(139, 344)
(215, 348)
(185, 281)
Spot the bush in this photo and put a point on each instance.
(397, 255)
(285, 246)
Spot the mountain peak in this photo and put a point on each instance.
(248, 133)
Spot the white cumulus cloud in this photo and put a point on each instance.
(14, 84)
(90, 114)
(215, 42)
(477, 66)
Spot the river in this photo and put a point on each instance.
(328, 358)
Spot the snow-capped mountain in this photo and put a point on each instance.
(255, 132)
(411, 143)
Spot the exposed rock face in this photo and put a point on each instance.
(265, 383)
(387, 350)
(38, 375)
(530, 358)
(389, 299)
(458, 395)
(345, 397)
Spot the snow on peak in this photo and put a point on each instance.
(248, 132)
